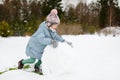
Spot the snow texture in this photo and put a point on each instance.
(92, 57)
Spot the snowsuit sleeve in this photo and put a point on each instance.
(58, 38)
(42, 39)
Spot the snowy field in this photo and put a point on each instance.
(93, 57)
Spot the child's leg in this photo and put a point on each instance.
(30, 60)
(38, 63)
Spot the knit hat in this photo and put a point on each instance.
(53, 17)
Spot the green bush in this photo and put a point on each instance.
(5, 30)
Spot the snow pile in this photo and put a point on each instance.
(114, 31)
(58, 62)
(91, 58)
(21, 75)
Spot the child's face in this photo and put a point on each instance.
(54, 26)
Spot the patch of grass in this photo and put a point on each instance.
(10, 69)
(26, 67)
(71, 28)
(2, 72)
(15, 68)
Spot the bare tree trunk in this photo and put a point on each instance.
(110, 17)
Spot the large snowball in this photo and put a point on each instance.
(57, 61)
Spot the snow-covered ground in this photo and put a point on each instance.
(93, 57)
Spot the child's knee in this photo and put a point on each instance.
(32, 60)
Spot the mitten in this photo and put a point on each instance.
(69, 43)
(54, 43)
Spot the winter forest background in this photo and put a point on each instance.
(22, 17)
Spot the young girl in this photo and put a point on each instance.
(45, 35)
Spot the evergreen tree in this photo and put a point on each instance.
(103, 13)
(117, 18)
(14, 7)
(21, 15)
(107, 12)
(4, 13)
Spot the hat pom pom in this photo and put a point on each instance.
(54, 11)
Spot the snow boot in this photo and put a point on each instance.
(36, 69)
(20, 64)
